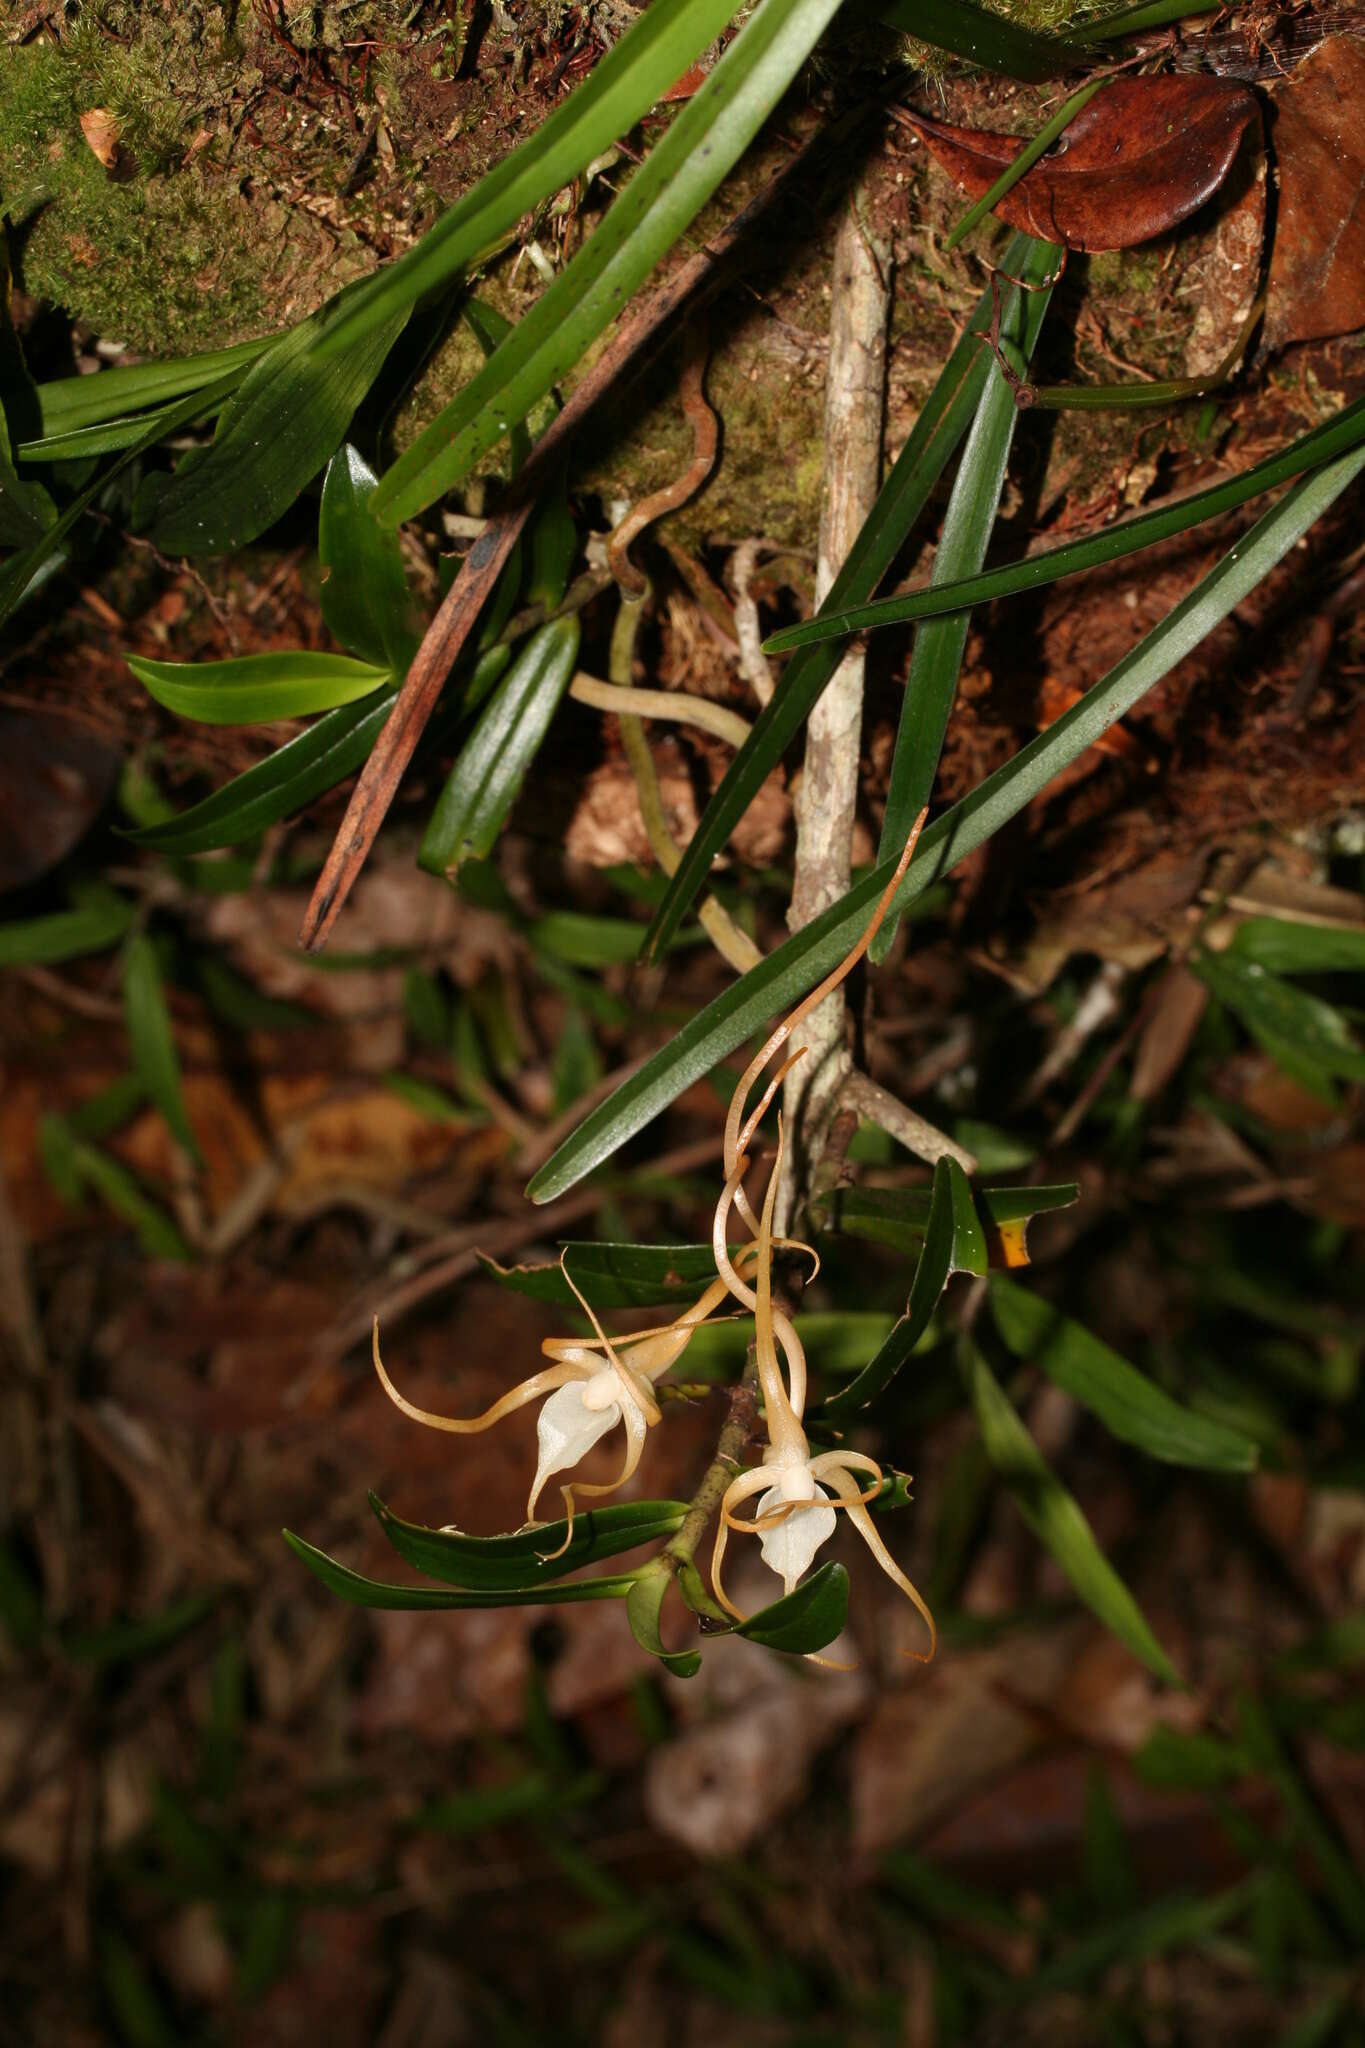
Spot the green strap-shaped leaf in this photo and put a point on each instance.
(795, 967)
(365, 599)
(69, 403)
(804, 1621)
(635, 72)
(71, 1164)
(65, 934)
(363, 1592)
(532, 1557)
(953, 1243)
(983, 37)
(485, 780)
(303, 768)
(1336, 436)
(942, 422)
(615, 1275)
(1055, 1519)
(257, 687)
(967, 527)
(282, 422)
(665, 195)
(26, 509)
(1129, 1405)
(900, 1216)
(1299, 1030)
(22, 571)
(1284, 946)
(644, 1605)
(153, 1041)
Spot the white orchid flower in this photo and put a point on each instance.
(593, 1384)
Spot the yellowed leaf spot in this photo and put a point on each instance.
(101, 130)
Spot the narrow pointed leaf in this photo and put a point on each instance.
(256, 688)
(363, 1592)
(795, 967)
(803, 1621)
(1056, 1520)
(947, 1224)
(1320, 445)
(494, 1563)
(155, 1061)
(967, 527)
(365, 599)
(21, 572)
(635, 72)
(1297, 1029)
(644, 1604)
(1129, 1405)
(282, 422)
(664, 196)
(73, 1164)
(615, 1275)
(68, 403)
(983, 37)
(943, 420)
(303, 768)
(487, 777)
(65, 934)
(900, 1216)
(1284, 946)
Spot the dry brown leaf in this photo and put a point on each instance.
(1317, 265)
(1139, 158)
(102, 131)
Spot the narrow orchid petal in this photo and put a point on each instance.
(744, 1487)
(529, 1390)
(847, 1489)
(829, 1462)
(789, 1545)
(566, 1431)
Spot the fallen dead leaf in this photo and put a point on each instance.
(1139, 158)
(1316, 285)
(102, 131)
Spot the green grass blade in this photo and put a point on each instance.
(1026, 159)
(1285, 946)
(488, 774)
(942, 422)
(110, 439)
(65, 934)
(795, 967)
(153, 1041)
(983, 38)
(1297, 1029)
(1130, 1406)
(967, 527)
(283, 783)
(281, 424)
(1322, 444)
(668, 191)
(72, 1164)
(255, 688)
(1129, 21)
(1056, 1520)
(630, 78)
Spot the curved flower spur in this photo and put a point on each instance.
(799, 1493)
(593, 1385)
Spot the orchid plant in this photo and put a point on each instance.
(593, 1384)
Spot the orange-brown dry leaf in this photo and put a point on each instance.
(1140, 157)
(1316, 285)
(101, 130)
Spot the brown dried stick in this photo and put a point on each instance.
(384, 770)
